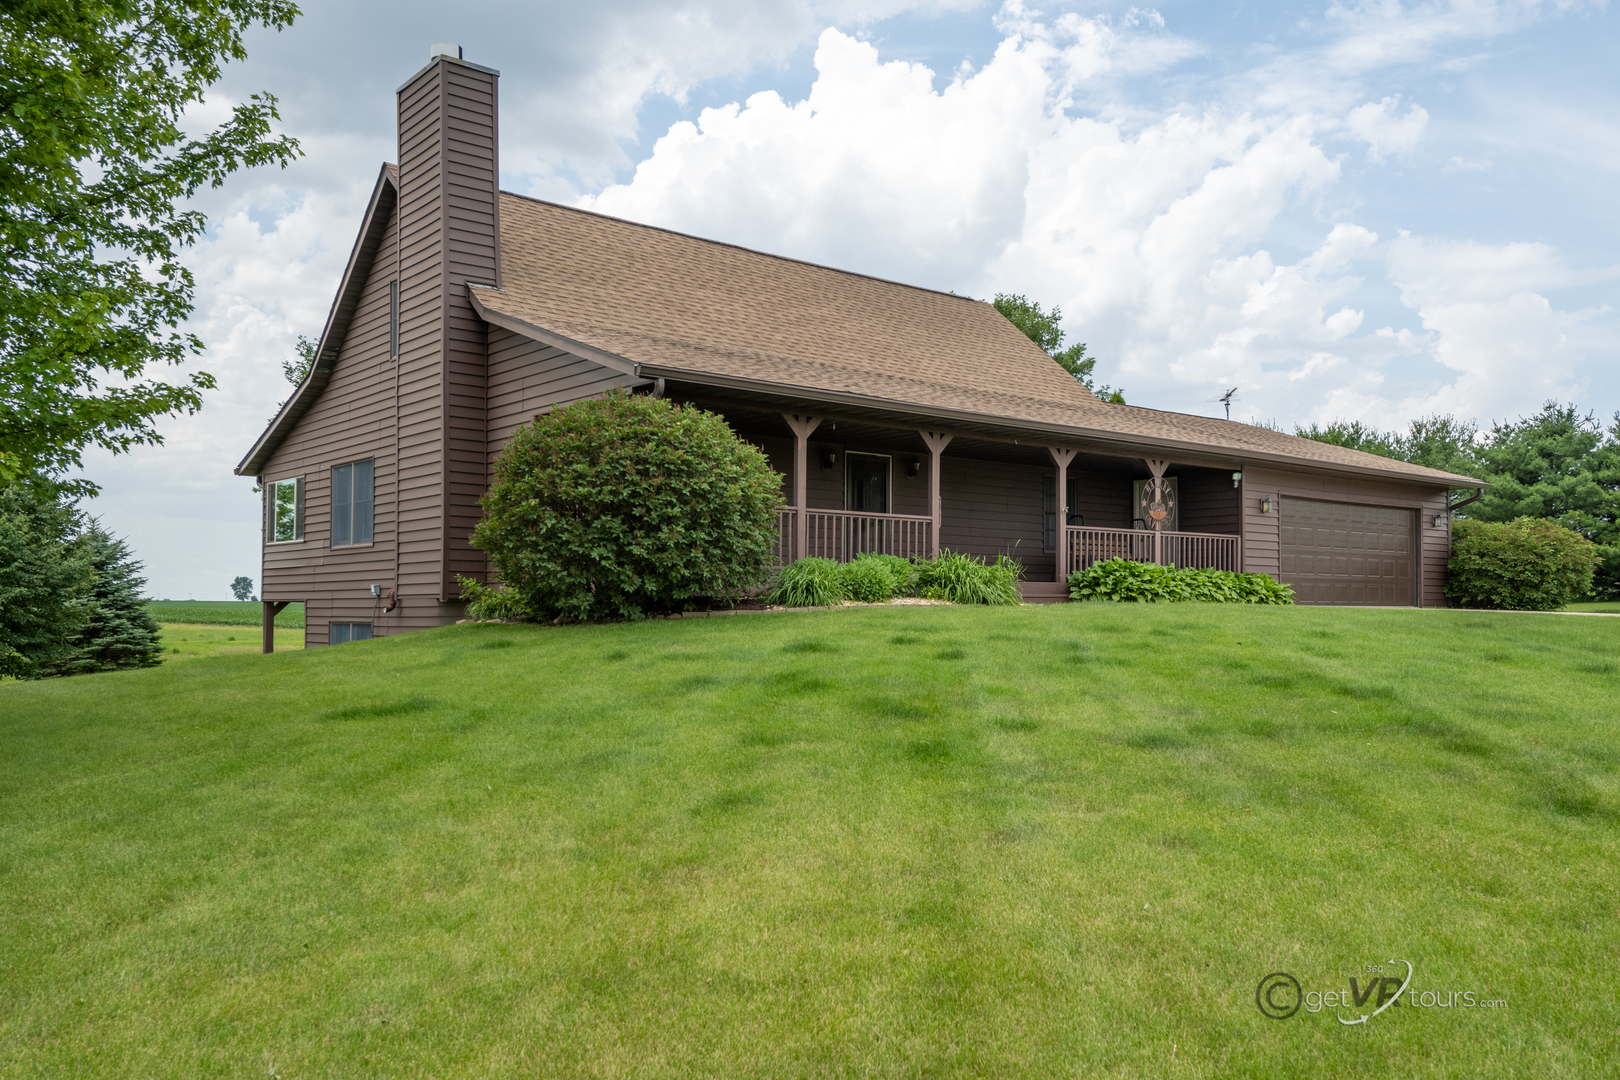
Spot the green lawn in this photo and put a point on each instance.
(1041, 841)
(184, 642)
(1608, 607)
(223, 613)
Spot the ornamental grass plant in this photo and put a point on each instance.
(967, 579)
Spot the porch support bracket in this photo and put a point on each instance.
(272, 608)
(802, 427)
(1061, 457)
(936, 441)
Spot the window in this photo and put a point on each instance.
(867, 483)
(351, 504)
(345, 632)
(286, 505)
(393, 318)
(1049, 512)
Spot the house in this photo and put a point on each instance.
(902, 419)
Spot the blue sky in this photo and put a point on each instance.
(1370, 211)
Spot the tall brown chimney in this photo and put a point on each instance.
(449, 234)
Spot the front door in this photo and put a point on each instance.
(867, 489)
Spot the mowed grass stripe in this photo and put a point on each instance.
(875, 842)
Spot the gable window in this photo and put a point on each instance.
(393, 318)
(867, 483)
(285, 501)
(351, 504)
(344, 632)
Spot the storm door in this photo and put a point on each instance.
(867, 483)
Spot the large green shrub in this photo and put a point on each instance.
(1529, 564)
(624, 506)
(965, 579)
(1123, 580)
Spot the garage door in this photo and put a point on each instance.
(1344, 553)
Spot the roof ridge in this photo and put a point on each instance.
(740, 247)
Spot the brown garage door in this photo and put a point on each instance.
(1345, 553)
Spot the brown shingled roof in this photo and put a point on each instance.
(694, 307)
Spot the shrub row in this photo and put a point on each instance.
(873, 579)
(1123, 580)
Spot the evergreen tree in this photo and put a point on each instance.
(119, 631)
(44, 579)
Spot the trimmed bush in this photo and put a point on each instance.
(624, 506)
(964, 579)
(1530, 564)
(809, 583)
(1126, 581)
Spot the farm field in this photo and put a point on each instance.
(1065, 840)
(222, 613)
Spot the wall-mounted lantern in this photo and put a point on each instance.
(913, 468)
(1267, 505)
(1439, 521)
(829, 459)
(1237, 478)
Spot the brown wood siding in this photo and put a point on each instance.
(1101, 499)
(1261, 532)
(990, 508)
(422, 288)
(352, 420)
(527, 378)
(450, 227)
(1209, 501)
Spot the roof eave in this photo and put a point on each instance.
(344, 304)
(1139, 446)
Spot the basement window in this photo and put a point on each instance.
(351, 504)
(345, 632)
(285, 501)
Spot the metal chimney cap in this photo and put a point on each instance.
(444, 48)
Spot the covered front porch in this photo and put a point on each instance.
(853, 484)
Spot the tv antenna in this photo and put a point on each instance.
(1226, 399)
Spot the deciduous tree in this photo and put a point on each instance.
(95, 174)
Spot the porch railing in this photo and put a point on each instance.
(842, 534)
(1190, 551)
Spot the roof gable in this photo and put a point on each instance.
(384, 196)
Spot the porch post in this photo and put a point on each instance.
(802, 427)
(272, 608)
(936, 442)
(1157, 466)
(1061, 458)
